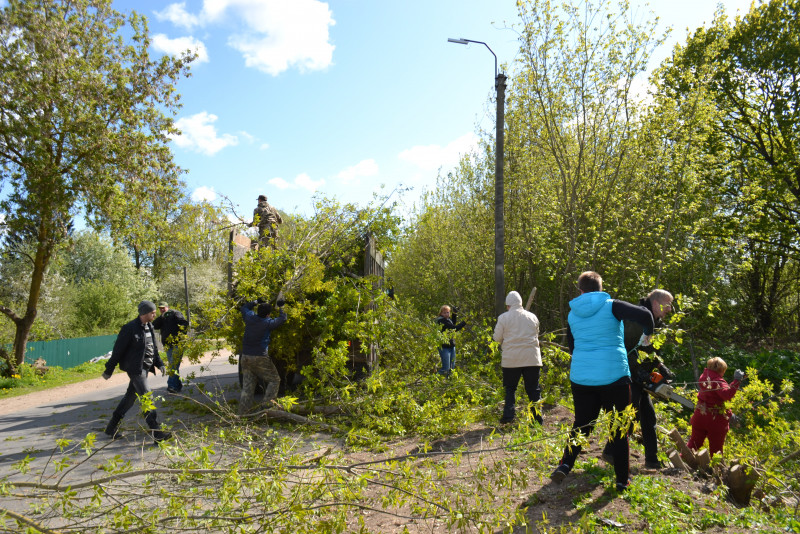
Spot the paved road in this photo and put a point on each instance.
(72, 412)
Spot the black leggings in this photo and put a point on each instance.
(589, 400)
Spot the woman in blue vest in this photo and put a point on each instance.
(599, 374)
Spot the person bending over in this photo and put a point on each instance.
(710, 418)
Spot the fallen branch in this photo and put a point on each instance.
(274, 413)
(789, 457)
(27, 521)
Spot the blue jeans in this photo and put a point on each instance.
(174, 379)
(448, 356)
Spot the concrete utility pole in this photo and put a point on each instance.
(499, 218)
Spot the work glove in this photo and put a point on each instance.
(666, 373)
(644, 341)
(163, 370)
(106, 375)
(280, 303)
(738, 375)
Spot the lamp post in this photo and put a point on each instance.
(499, 220)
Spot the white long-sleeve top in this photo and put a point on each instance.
(517, 331)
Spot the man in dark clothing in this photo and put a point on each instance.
(255, 360)
(172, 325)
(659, 303)
(599, 375)
(136, 353)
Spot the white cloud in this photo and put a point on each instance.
(433, 157)
(199, 134)
(305, 182)
(301, 181)
(204, 193)
(272, 35)
(264, 146)
(246, 137)
(367, 167)
(280, 183)
(177, 14)
(177, 46)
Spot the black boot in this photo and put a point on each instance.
(112, 429)
(160, 435)
(510, 408)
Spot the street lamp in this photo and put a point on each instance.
(499, 220)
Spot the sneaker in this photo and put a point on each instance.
(159, 436)
(560, 473)
(653, 464)
(116, 435)
(172, 390)
(506, 420)
(622, 487)
(607, 458)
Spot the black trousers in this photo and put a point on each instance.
(589, 400)
(137, 386)
(646, 414)
(511, 376)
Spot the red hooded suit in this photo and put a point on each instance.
(710, 419)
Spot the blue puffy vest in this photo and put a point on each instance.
(599, 357)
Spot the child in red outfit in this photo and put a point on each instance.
(710, 419)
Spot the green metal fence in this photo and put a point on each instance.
(68, 353)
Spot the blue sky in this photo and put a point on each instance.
(347, 97)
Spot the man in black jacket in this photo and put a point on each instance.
(659, 303)
(136, 353)
(172, 325)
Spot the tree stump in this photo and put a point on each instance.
(675, 458)
(40, 366)
(686, 453)
(703, 459)
(740, 481)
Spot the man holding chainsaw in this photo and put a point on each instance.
(659, 304)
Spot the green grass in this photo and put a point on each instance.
(28, 381)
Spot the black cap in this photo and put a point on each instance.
(146, 307)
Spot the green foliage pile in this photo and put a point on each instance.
(226, 474)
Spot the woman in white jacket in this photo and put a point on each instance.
(517, 331)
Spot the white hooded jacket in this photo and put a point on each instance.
(517, 331)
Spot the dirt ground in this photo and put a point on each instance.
(555, 507)
(549, 507)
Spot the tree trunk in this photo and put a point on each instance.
(24, 323)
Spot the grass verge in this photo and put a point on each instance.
(29, 381)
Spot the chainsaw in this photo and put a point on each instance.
(657, 386)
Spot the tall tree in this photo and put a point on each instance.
(84, 119)
(749, 71)
(573, 162)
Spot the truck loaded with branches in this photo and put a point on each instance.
(329, 270)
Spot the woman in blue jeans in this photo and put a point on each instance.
(447, 352)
